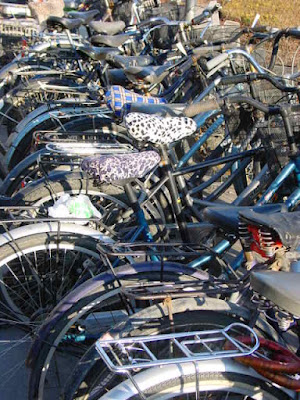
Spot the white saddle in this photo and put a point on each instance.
(159, 130)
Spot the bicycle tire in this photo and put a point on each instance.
(221, 383)
(212, 313)
(29, 273)
(20, 93)
(92, 293)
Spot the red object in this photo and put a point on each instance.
(281, 362)
(260, 246)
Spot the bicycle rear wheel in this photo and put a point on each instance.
(91, 379)
(92, 309)
(179, 382)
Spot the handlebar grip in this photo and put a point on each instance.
(295, 32)
(205, 50)
(200, 18)
(203, 106)
(216, 61)
(261, 29)
(208, 12)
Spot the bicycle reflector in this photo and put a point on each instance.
(259, 239)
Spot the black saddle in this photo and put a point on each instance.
(163, 110)
(117, 77)
(98, 53)
(282, 288)
(227, 217)
(151, 74)
(85, 16)
(119, 61)
(5, 201)
(110, 41)
(61, 24)
(286, 225)
(108, 28)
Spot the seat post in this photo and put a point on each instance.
(140, 216)
(88, 30)
(175, 196)
(68, 33)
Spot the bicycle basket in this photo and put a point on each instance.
(18, 29)
(213, 33)
(164, 37)
(173, 12)
(267, 93)
(274, 139)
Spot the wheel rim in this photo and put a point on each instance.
(35, 279)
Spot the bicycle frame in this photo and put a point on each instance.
(291, 202)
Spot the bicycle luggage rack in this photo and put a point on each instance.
(79, 139)
(20, 219)
(77, 112)
(175, 251)
(162, 253)
(129, 355)
(162, 291)
(134, 353)
(17, 28)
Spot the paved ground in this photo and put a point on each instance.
(14, 346)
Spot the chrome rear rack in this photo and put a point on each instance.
(123, 355)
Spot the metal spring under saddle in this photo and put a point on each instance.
(265, 238)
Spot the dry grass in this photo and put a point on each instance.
(276, 13)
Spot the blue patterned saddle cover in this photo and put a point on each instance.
(117, 97)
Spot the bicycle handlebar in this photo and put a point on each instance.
(204, 50)
(197, 108)
(293, 32)
(219, 59)
(248, 78)
(216, 104)
(208, 12)
(214, 62)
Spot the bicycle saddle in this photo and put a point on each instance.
(286, 225)
(110, 41)
(151, 74)
(227, 217)
(98, 53)
(155, 129)
(5, 201)
(119, 167)
(119, 61)
(85, 16)
(117, 77)
(63, 23)
(282, 288)
(117, 97)
(108, 28)
(162, 110)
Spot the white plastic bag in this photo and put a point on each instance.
(73, 207)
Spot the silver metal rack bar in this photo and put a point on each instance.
(120, 354)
